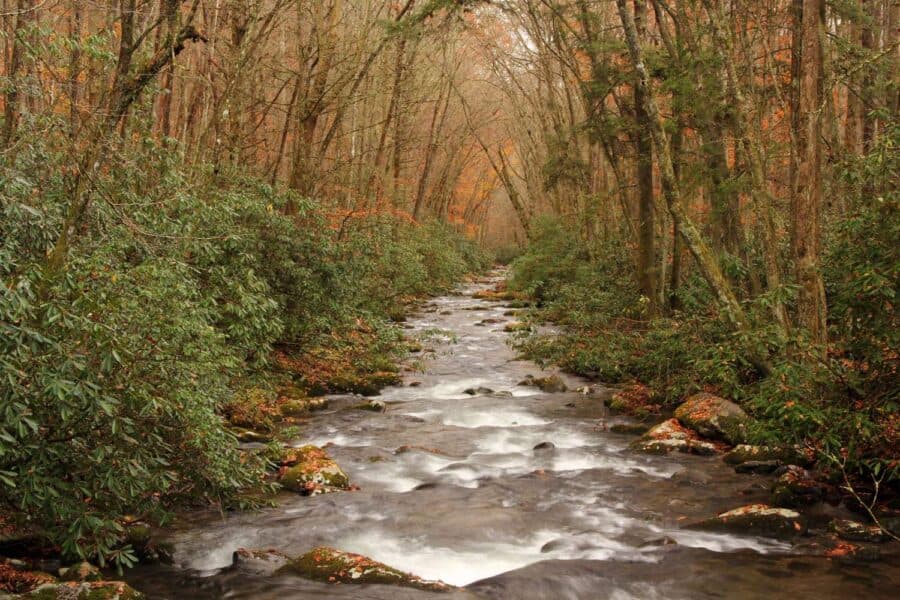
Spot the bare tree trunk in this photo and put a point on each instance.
(806, 164)
(24, 13)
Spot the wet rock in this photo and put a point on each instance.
(550, 385)
(334, 566)
(630, 428)
(758, 467)
(88, 590)
(479, 391)
(855, 531)
(516, 327)
(795, 487)
(714, 417)
(373, 406)
(544, 447)
(310, 471)
(301, 407)
(413, 384)
(258, 561)
(660, 542)
(745, 453)
(248, 436)
(369, 384)
(139, 536)
(672, 436)
(83, 571)
(484, 322)
(757, 519)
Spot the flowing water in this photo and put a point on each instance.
(473, 503)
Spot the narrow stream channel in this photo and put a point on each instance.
(473, 503)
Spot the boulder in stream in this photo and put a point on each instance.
(478, 391)
(310, 471)
(714, 417)
(672, 436)
(756, 519)
(258, 561)
(552, 384)
(334, 566)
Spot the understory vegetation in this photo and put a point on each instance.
(843, 399)
(178, 293)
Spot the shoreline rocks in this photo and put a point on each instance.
(756, 519)
(714, 417)
(672, 436)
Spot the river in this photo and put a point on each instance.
(473, 503)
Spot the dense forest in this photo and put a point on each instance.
(213, 210)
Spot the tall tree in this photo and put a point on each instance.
(806, 165)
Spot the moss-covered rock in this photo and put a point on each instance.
(757, 519)
(672, 436)
(855, 531)
(369, 384)
(139, 536)
(83, 571)
(310, 471)
(743, 453)
(795, 487)
(630, 428)
(552, 384)
(90, 590)
(297, 407)
(334, 566)
(714, 417)
(636, 400)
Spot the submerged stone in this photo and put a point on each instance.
(334, 566)
(714, 417)
(757, 519)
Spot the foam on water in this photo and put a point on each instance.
(461, 565)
